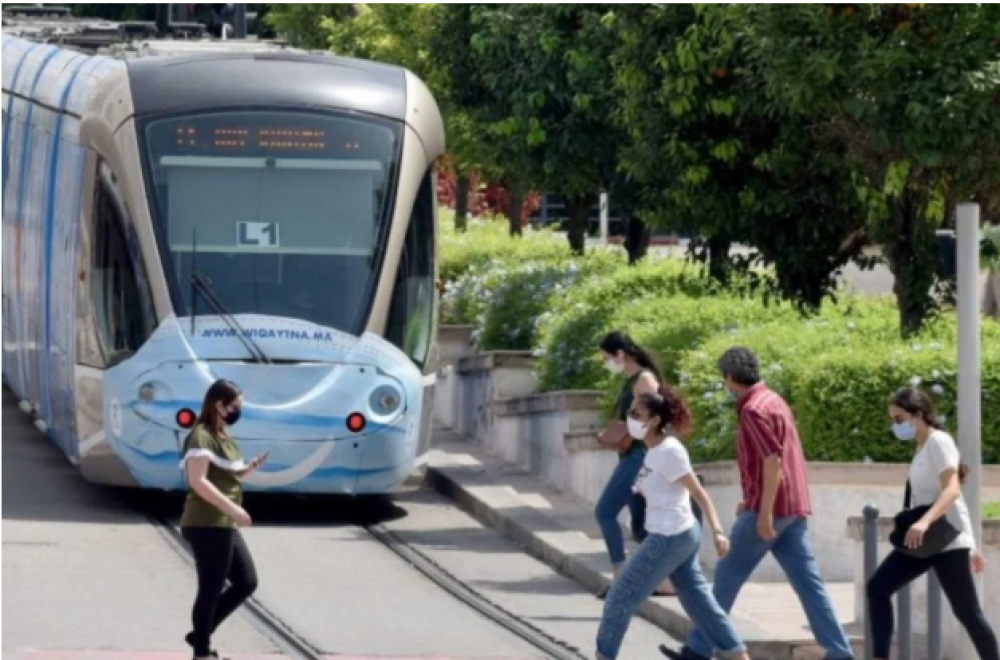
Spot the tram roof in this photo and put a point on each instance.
(168, 76)
(174, 75)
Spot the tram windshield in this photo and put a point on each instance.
(282, 212)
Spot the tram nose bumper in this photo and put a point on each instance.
(280, 402)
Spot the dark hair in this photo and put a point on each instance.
(919, 404)
(619, 341)
(668, 404)
(741, 365)
(221, 391)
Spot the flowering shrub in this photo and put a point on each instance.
(487, 242)
(516, 305)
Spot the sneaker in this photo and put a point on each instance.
(684, 654)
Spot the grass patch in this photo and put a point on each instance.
(991, 511)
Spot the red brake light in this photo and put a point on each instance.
(356, 422)
(185, 418)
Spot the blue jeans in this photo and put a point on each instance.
(793, 551)
(657, 558)
(616, 496)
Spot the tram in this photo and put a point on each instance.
(180, 211)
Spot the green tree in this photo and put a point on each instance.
(551, 101)
(433, 41)
(303, 25)
(715, 160)
(911, 93)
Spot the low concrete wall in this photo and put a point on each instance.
(454, 343)
(838, 491)
(952, 633)
(541, 433)
(484, 380)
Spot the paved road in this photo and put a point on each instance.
(87, 577)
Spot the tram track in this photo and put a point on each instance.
(297, 647)
(264, 620)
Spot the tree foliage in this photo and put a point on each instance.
(911, 93)
(304, 25)
(805, 132)
(714, 159)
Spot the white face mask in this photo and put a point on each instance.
(614, 366)
(637, 429)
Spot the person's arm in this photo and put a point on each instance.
(700, 495)
(645, 384)
(767, 441)
(943, 456)
(197, 471)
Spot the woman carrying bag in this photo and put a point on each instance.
(933, 531)
(621, 355)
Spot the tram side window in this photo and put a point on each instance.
(123, 315)
(411, 317)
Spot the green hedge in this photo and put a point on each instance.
(666, 305)
(837, 369)
(837, 374)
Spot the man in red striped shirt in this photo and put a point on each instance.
(774, 512)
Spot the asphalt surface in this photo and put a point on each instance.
(88, 577)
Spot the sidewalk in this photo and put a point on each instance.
(560, 530)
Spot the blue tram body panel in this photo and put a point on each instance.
(42, 178)
(296, 412)
(295, 409)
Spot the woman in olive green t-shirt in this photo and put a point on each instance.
(212, 512)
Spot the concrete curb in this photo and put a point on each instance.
(470, 486)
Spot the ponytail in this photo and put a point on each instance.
(673, 411)
(619, 341)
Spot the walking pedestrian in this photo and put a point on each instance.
(939, 535)
(621, 355)
(671, 546)
(773, 516)
(212, 512)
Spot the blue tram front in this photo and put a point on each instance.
(248, 213)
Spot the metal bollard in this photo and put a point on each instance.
(934, 645)
(870, 564)
(904, 606)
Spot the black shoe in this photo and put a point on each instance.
(603, 593)
(189, 638)
(684, 654)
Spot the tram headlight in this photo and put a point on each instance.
(147, 392)
(385, 400)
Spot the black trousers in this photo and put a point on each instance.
(955, 575)
(219, 554)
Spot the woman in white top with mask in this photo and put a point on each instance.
(670, 548)
(935, 483)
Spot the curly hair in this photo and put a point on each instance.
(673, 411)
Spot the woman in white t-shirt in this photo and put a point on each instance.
(670, 548)
(935, 481)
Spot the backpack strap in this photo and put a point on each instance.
(907, 496)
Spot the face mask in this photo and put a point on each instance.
(905, 431)
(637, 429)
(233, 416)
(613, 366)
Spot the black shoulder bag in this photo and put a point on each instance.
(939, 535)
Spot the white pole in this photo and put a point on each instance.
(604, 217)
(969, 383)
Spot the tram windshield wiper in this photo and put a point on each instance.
(201, 284)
